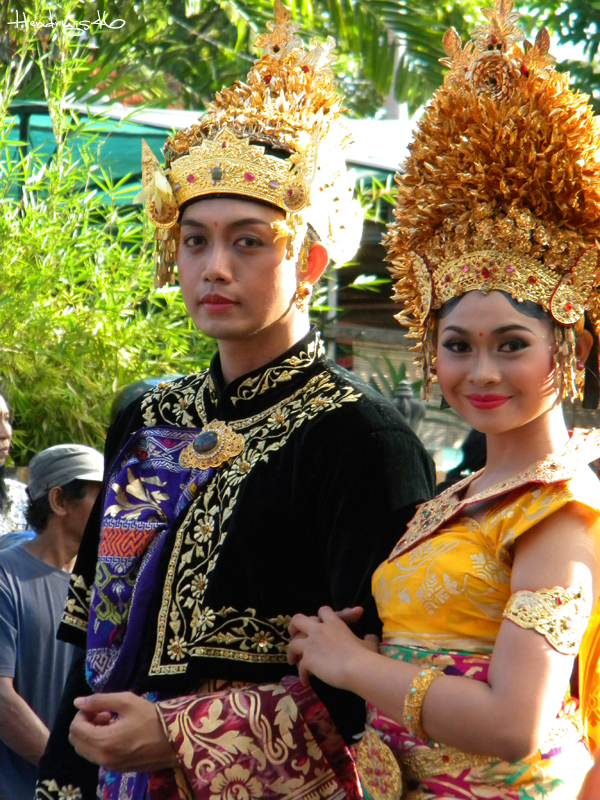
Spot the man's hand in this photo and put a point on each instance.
(121, 732)
(324, 646)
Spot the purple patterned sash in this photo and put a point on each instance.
(145, 493)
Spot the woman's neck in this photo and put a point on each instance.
(511, 452)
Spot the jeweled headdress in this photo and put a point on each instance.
(501, 190)
(276, 138)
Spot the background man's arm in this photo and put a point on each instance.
(20, 728)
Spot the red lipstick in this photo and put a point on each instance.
(217, 302)
(486, 401)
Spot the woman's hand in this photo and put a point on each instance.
(324, 646)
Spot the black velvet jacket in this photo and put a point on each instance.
(328, 479)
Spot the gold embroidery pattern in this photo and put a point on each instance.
(50, 790)
(187, 627)
(583, 447)
(558, 614)
(77, 606)
(377, 768)
(426, 762)
(266, 741)
(170, 402)
(252, 387)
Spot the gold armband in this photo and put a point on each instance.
(414, 701)
(558, 614)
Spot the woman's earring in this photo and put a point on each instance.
(303, 295)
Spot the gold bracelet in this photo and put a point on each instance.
(413, 701)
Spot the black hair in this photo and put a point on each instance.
(591, 389)
(39, 511)
(3, 486)
(526, 307)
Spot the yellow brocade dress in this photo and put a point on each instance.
(441, 596)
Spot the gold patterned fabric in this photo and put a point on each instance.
(446, 587)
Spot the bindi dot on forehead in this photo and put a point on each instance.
(216, 224)
(481, 334)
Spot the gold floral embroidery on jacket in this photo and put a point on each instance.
(50, 790)
(281, 373)
(77, 606)
(186, 626)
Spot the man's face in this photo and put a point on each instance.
(78, 511)
(233, 275)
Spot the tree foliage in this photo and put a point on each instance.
(79, 315)
(179, 52)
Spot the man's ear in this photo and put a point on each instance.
(318, 258)
(56, 500)
(583, 345)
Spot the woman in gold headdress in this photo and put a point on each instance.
(494, 588)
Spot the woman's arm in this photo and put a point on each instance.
(510, 715)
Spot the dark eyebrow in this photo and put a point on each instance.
(496, 332)
(238, 223)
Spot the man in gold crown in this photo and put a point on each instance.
(269, 484)
(486, 683)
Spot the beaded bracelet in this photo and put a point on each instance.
(413, 701)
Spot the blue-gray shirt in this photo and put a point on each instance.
(32, 598)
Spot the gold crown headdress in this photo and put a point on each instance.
(288, 105)
(501, 190)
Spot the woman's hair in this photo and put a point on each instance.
(39, 511)
(591, 389)
(3, 486)
(527, 307)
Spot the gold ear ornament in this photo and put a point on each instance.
(302, 296)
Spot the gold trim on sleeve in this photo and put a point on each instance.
(558, 614)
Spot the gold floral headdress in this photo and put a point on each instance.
(276, 138)
(501, 190)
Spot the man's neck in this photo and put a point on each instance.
(55, 548)
(241, 356)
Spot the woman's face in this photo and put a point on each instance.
(5, 431)
(495, 365)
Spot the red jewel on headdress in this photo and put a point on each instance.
(304, 68)
(466, 268)
(267, 79)
(568, 306)
(485, 273)
(249, 176)
(191, 178)
(223, 144)
(447, 278)
(510, 268)
(532, 279)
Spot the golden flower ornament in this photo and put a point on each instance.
(501, 190)
(277, 138)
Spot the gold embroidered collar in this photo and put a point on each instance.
(582, 448)
(279, 372)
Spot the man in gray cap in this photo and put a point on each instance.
(64, 482)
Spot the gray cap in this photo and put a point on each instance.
(62, 464)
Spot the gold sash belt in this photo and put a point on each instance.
(382, 771)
